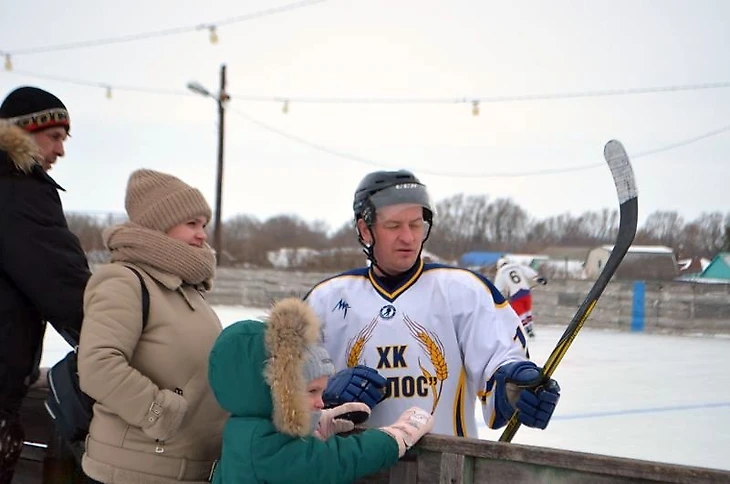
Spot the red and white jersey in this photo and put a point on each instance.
(514, 277)
(438, 339)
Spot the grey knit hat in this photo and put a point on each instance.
(159, 201)
(318, 363)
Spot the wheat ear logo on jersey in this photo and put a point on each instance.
(433, 347)
(356, 345)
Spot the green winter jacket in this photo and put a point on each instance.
(268, 437)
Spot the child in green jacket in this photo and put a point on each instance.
(270, 376)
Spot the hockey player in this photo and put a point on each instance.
(515, 281)
(440, 336)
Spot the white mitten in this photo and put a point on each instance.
(330, 424)
(413, 424)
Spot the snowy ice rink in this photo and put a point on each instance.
(654, 397)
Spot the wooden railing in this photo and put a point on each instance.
(434, 460)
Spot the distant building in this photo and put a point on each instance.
(690, 267)
(719, 268)
(479, 259)
(564, 262)
(288, 258)
(531, 260)
(651, 262)
(557, 252)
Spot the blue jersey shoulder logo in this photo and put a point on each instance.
(387, 312)
(342, 305)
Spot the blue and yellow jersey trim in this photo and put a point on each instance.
(460, 405)
(392, 295)
(499, 300)
(359, 273)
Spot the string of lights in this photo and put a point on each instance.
(103, 85)
(212, 28)
(474, 101)
(287, 101)
(487, 99)
(554, 171)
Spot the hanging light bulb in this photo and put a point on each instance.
(8, 63)
(285, 106)
(108, 92)
(213, 35)
(475, 108)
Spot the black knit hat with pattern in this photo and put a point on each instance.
(34, 109)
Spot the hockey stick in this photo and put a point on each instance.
(623, 177)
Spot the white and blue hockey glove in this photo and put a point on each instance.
(513, 391)
(357, 384)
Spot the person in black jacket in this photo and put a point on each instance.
(43, 270)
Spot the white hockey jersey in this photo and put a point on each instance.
(514, 277)
(438, 339)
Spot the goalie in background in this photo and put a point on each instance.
(515, 281)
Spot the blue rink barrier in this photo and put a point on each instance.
(637, 310)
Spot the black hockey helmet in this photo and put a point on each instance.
(383, 188)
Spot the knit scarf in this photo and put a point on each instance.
(133, 243)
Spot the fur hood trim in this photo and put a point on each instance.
(19, 145)
(292, 328)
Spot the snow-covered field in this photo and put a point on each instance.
(654, 397)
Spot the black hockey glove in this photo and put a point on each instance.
(357, 384)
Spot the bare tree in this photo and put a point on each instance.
(661, 228)
(704, 236)
(460, 225)
(506, 223)
(345, 236)
(240, 240)
(88, 229)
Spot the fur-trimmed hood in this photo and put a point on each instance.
(256, 367)
(18, 146)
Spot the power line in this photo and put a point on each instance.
(303, 141)
(391, 101)
(366, 161)
(160, 33)
(488, 99)
(104, 85)
(555, 171)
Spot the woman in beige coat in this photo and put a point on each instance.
(155, 418)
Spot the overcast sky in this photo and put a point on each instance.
(376, 49)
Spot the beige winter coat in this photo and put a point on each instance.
(155, 420)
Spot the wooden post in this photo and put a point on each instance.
(456, 469)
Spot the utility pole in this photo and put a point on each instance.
(218, 228)
(221, 98)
